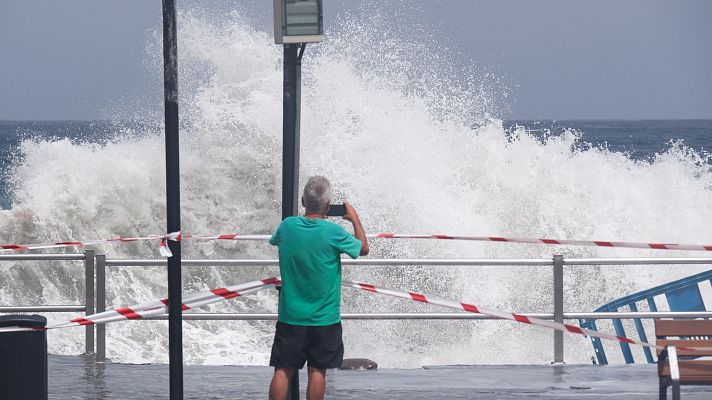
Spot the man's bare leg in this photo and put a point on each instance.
(317, 383)
(280, 383)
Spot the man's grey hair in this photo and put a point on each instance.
(317, 194)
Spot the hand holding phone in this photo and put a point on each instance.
(350, 214)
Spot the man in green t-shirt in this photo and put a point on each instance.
(309, 323)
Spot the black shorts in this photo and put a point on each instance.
(294, 345)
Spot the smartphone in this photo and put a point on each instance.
(336, 210)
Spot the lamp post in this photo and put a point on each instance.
(296, 23)
(170, 89)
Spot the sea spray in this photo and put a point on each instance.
(410, 144)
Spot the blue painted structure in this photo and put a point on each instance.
(681, 295)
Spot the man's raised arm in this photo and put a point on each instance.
(360, 234)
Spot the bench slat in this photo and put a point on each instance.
(666, 327)
(688, 343)
(700, 370)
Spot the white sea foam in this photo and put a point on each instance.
(411, 147)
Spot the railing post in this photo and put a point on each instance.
(100, 306)
(89, 295)
(558, 307)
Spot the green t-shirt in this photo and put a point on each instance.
(310, 264)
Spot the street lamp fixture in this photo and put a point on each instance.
(298, 21)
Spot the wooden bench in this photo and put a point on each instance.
(678, 365)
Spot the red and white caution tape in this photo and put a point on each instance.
(56, 245)
(144, 310)
(592, 243)
(497, 314)
(156, 307)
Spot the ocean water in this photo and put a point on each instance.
(639, 140)
(415, 148)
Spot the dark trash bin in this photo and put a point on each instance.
(23, 358)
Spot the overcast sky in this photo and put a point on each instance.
(566, 59)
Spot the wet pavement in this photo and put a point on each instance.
(76, 377)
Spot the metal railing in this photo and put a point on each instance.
(557, 263)
(95, 269)
(89, 299)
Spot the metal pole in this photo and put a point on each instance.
(558, 308)
(89, 296)
(170, 86)
(100, 306)
(291, 104)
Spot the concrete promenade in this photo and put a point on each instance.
(74, 377)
